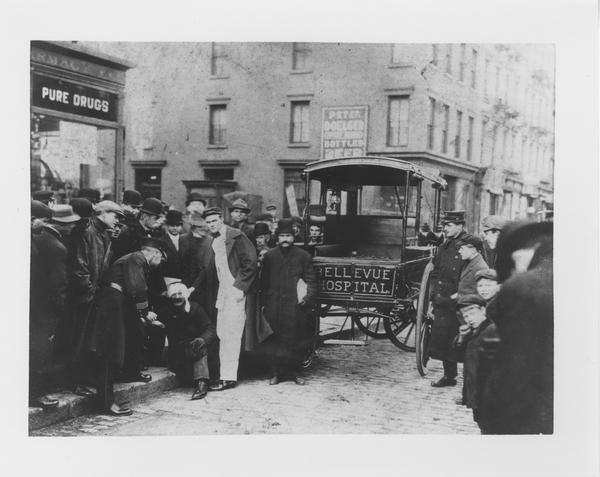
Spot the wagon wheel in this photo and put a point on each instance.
(370, 325)
(400, 328)
(424, 321)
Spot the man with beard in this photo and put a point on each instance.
(445, 276)
(492, 225)
(236, 267)
(190, 334)
(288, 285)
(122, 304)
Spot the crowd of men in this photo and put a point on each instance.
(112, 283)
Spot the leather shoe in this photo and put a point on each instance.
(83, 391)
(443, 382)
(274, 380)
(47, 402)
(223, 385)
(299, 381)
(116, 410)
(201, 391)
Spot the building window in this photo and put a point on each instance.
(445, 128)
(474, 69)
(463, 61)
(218, 175)
(299, 122)
(218, 125)
(148, 182)
(457, 137)
(296, 193)
(449, 58)
(497, 83)
(218, 59)
(486, 74)
(396, 53)
(435, 54)
(470, 139)
(494, 142)
(493, 204)
(300, 56)
(506, 87)
(398, 121)
(431, 125)
(504, 150)
(484, 126)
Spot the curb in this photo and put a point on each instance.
(71, 405)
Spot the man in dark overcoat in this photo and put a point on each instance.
(48, 290)
(445, 275)
(121, 304)
(89, 262)
(288, 289)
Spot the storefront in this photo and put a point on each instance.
(77, 131)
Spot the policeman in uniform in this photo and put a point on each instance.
(445, 276)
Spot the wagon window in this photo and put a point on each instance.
(336, 201)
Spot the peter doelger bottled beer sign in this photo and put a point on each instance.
(344, 131)
(343, 280)
(60, 95)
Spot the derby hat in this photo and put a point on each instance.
(240, 204)
(93, 195)
(261, 229)
(195, 197)
(174, 217)
(109, 206)
(212, 211)
(82, 207)
(490, 274)
(152, 206)
(43, 195)
(284, 226)
(454, 216)
(133, 198)
(64, 213)
(39, 210)
(493, 222)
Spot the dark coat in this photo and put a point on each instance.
(47, 293)
(281, 271)
(242, 260)
(182, 327)
(467, 285)
(244, 227)
(489, 255)
(519, 396)
(113, 309)
(447, 266)
(172, 266)
(472, 365)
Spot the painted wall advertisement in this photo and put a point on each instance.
(344, 131)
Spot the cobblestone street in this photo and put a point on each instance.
(350, 389)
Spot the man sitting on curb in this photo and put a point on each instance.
(190, 332)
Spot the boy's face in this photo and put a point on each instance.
(473, 315)
(487, 288)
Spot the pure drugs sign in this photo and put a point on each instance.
(360, 280)
(60, 95)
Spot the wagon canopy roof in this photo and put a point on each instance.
(368, 170)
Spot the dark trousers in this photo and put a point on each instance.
(285, 366)
(214, 362)
(135, 336)
(106, 381)
(450, 369)
(155, 345)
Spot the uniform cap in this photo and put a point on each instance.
(132, 197)
(152, 206)
(64, 213)
(39, 210)
(454, 216)
(240, 204)
(109, 206)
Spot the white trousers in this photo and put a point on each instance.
(230, 327)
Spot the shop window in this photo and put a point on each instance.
(398, 120)
(218, 60)
(225, 174)
(294, 191)
(300, 56)
(218, 124)
(299, 122)
(67, 156)
(148, 182)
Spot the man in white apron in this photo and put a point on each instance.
(236, 266)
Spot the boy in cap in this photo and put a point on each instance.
(469, 249)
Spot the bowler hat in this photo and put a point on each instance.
(109, 206)
(64, 213)
(490, 274)
(472, 240)
(454, 216)
(240, 204)
(152, 206)
(154, 243)
(43, 195)
(93, 195)
(174, 217)
(471, 299)
(212, 211)
(132, 197)
(493, 222)
(261, 229)
(82, 207)
(39, 210)
(195, 197)
(284, 226)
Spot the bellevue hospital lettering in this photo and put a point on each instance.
(356, 279)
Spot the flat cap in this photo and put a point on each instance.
(109, 206)
(472, 240)
(240, 204)
(471, 299)
(82, 207)
(132, 197)
(43, 195)
(39, 210)
(212, 211)
(152, 206)
(454, 216)
(490, 274)
(493, 222)
(64, 213)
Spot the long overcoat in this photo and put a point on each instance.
(281, 271)
(445, 275)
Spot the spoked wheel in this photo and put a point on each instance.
(370, 325)
(423, 321)
(401, 327)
